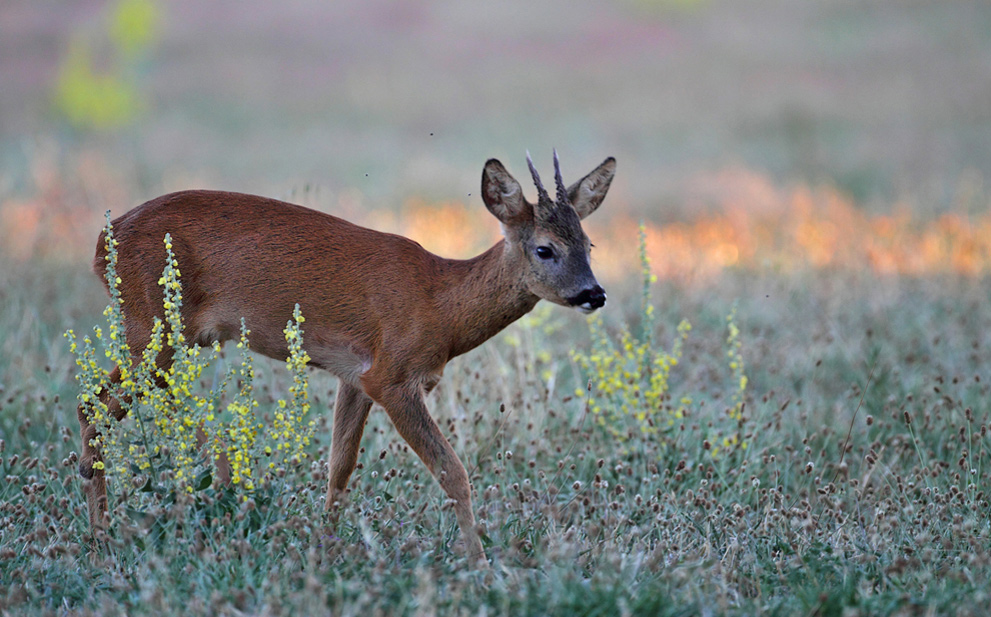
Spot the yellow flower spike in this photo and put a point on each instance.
(176, 411)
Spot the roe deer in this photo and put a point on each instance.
(382, 314)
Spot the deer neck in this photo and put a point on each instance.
(482, 296)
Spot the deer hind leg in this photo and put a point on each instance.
(409, 414)
(350, 414)
(95, 486)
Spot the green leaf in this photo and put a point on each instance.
(204, 480)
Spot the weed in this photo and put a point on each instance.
(172, 433)
(631, 377)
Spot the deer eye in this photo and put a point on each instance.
(545, 252)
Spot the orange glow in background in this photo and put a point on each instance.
(747, 223)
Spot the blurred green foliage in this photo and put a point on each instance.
(93, 99)
(89, 100)
(134, 26)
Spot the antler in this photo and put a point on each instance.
(562, 193)
(541, 191)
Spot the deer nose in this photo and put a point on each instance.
(589, 299)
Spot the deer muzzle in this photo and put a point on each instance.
(589, 300)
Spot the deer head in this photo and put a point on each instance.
(548, 236)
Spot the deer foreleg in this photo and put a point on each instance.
(409, 414)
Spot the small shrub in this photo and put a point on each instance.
(630, 374)
(174, 431)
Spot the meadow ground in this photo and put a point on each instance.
(814, 169)
(852, 481)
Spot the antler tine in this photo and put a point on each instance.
(562, 193)
(541, 191)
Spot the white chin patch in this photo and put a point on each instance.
(585, 308)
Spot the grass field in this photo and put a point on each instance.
(853, 482)
(812, 180)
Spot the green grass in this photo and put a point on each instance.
(888, 519)
(576, 519)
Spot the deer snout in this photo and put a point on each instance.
(589, 299)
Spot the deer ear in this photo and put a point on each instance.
(587, 194)
(502, 194)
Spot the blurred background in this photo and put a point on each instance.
(749, 133)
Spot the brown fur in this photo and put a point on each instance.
(382, 313)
